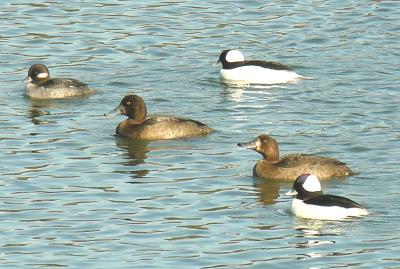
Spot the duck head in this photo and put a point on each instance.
(132, 106)
(265, 145)
(305, 187)
(230, 56)
(38, 73)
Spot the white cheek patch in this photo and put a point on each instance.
(234, 56)
(258, 143)
(42, 75)
(312, 184)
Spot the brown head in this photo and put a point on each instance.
(134, 107)
(38, 73)
(265, 145)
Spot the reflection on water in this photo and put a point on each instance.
(135, 153)
(268, 190)
(35, 113)
(42, 107)
(317, 228)
(39, 108)
(233, 93)
(236, 93)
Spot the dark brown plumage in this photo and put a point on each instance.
(291, 166)
(141, 127)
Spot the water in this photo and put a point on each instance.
(73, 195)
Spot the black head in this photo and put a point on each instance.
(38, 73)
(222, 57)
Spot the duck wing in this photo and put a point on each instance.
(175, 126)
(64, 83)
(333, 200)
(269, 65)
(264, 64)
(293, 160)
(157, 119)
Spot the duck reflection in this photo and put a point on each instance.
(134, 153)
(268, 190)
(308, 227)
(38, 109)
(233, 93)
(35, 114)
(236, 93)
(313, 228)
(314, 233)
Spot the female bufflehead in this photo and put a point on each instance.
(310, 203)
(289, 167)
(141, 127)
(235, 69)
(41, 86)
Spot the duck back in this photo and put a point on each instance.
(162, 127)
(291, 166)
(58, 88)
(333, 200)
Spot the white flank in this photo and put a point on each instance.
(257, 75)
(307, 211)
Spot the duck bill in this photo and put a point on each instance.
(248, 145)
(27, 80)
(292, 192)
(119, 110)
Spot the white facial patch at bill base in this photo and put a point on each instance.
(234, 56)
(312, 184)
(42, 75)
(258, 143)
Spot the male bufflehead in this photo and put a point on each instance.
(310, 203)
(236, 70)
(289, 167)
(139, 126)
(41, 86)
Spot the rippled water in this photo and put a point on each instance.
(73, 195)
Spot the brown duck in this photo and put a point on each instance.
(289, 167)
(141, 127)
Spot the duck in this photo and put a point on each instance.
(236, 70)
(142, 127)
(289, 167)
(41, 86)
(311, 203)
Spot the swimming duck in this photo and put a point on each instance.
(41, 86)
(141, 127)
(289, 167)
(310, 203)
(235, 69)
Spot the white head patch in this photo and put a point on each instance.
(311, 184)
(42, 75)
(234, 56)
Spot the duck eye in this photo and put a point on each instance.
(128, 103)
